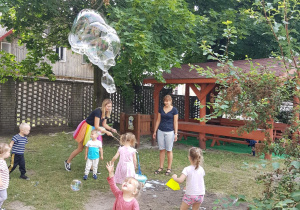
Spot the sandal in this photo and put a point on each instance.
(158, 170)
(168, 172)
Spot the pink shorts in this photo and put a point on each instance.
(191, 199)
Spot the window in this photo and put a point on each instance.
(5, 46)
(85, 59)
(61, 51)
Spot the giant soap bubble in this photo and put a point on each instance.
(90, 35)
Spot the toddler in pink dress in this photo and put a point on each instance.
(127, 163)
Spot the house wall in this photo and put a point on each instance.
(72, 68)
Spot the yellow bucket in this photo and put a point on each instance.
(173, 184)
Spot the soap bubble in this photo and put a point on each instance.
(76, 185)
(90, 35)
(108, 83)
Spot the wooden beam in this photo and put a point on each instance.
(206, 90)
(196, 91)
(220, 130)
(187, 103)
(157, 89)
(181, 81)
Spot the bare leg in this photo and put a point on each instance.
(161, 158)
(75, 152)
(196, 206)
(170, 159)
(184, 206)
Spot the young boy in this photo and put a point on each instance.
(18, 147)
(93, 147)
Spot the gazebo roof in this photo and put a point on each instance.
(185, 75)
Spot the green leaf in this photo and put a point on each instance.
(296, 195)
(275, 165)
(296, 164)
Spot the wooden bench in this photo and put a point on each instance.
(279, 129)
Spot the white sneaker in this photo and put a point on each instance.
(67, 166)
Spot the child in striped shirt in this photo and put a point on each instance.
(4, 173)
(17, 145)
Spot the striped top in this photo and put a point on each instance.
(4, 174)
(19, 144)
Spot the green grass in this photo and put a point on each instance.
(49, 186)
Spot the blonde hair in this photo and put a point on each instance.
(138, 186)
(104, 112)
(94, 131)
(23, 125)
(4, 148)
(196, 156)
(128, 137)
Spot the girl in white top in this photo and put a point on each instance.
(194, 174)
(4, 173)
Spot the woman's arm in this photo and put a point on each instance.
(156, 125)
(176, 126)
(107, 127)
(98, 128)
(180, 179)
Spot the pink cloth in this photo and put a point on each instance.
(120, 203)
(125, 167)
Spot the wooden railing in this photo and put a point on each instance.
(138, 124)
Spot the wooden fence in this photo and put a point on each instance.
(57, 105)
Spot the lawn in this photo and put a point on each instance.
(49, 185)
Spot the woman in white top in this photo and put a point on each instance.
(194, 175)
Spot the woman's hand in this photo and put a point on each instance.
(113, 130)
(109, 133)
(174, 177)
(154, 135)
(175, 137)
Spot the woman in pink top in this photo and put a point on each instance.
(126, 197)
(127, 163)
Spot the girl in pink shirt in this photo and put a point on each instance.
(126, 197)
(194, 175)
(127, 163)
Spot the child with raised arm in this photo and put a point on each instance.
(93, 147)
(194, 175)
(127, 163)
(130, 189)
(4, 173)
(17, 144)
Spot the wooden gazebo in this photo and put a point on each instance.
(190, 78)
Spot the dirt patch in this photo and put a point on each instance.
(18, 205)
(155, 195)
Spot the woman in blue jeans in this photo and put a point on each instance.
(165, 131)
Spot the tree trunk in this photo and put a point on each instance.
(100, 92)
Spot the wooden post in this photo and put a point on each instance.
(137, 128)
(202, 115)
(122, 123)
(270, 131)
(157, 89)
(187, 103)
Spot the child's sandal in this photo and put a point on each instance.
(158, 171)
(168, 172)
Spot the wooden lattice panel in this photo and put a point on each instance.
(43, 103)
(88, 95)
(117, 108)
